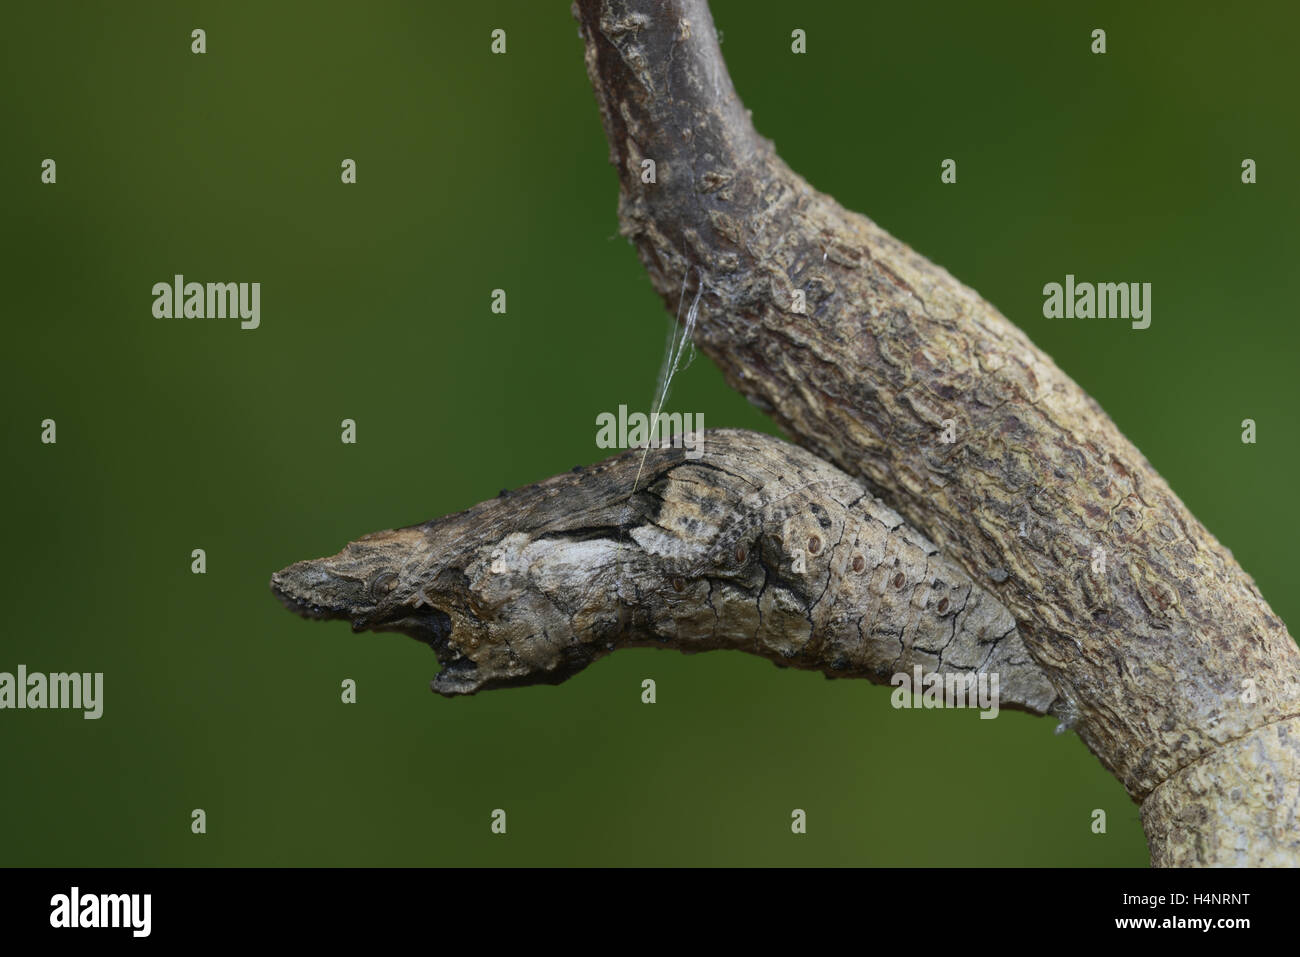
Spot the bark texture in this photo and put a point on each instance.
(1151, 648)
(1064, 563)
(1235, 808)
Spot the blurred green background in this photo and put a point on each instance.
(478, 172)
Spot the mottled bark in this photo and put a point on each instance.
(756, 546)
(1136, 614)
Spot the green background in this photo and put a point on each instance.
(477, 172)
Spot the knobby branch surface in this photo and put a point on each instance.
(1153, 648)
(762, 547)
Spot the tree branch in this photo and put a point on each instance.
(1135, 612)
(1129, 611)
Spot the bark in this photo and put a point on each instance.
(1153, 646)
(1042, 545)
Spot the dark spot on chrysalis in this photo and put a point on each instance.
(859, 563)
(899, 579)
(382, 584)
(942, 606)
(814, 545)
(679, 585)
(823, 519)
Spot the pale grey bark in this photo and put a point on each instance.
(1129, 610)
(1137, 615)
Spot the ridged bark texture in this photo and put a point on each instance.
(864, 351)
